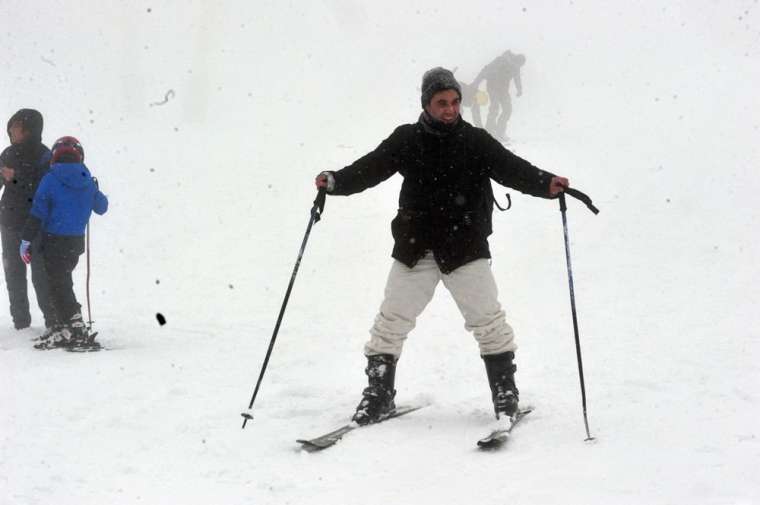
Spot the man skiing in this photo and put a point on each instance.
(498, 75)
(440, 234)
(23, 164)
(62, 206)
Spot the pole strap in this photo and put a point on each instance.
(509, 203)
(319, 204)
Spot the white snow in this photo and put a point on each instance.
(651, 108)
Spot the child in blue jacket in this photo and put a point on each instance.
(63, 203)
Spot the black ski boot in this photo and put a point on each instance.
(81, 340)
(501, 378)
(60, 336)
(377, 399)
(49, 330)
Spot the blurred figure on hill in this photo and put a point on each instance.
(441, 235)
(63, 204)
(498, 75)
(23, 165)
(473, 99)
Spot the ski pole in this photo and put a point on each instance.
(316, 212)
(563, 209)
(87, 246)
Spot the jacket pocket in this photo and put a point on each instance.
(411, 229)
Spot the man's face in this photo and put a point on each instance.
(17, 133)
(444, 106)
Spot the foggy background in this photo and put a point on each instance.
(206, 123)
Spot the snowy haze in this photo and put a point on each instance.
(649, 107)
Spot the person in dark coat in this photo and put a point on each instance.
(440, 235)
(23, 164)
(62, 207)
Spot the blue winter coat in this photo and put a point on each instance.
(65, 199)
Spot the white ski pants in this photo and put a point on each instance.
(409, 290)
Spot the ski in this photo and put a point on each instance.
(91, 346)
(497, 437)
(88, 347)
(329, 439)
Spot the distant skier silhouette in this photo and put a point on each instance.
(473, 99)
(498, 75)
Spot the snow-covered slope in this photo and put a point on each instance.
(650, 109)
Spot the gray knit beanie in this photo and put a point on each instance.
(438, 79)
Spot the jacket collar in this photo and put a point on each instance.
(438, 128)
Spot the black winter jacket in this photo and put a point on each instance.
(446, 200)
(30, 160)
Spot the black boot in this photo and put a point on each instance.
(81, 338)
(501, 378)
(377, 399)
(74, 336)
